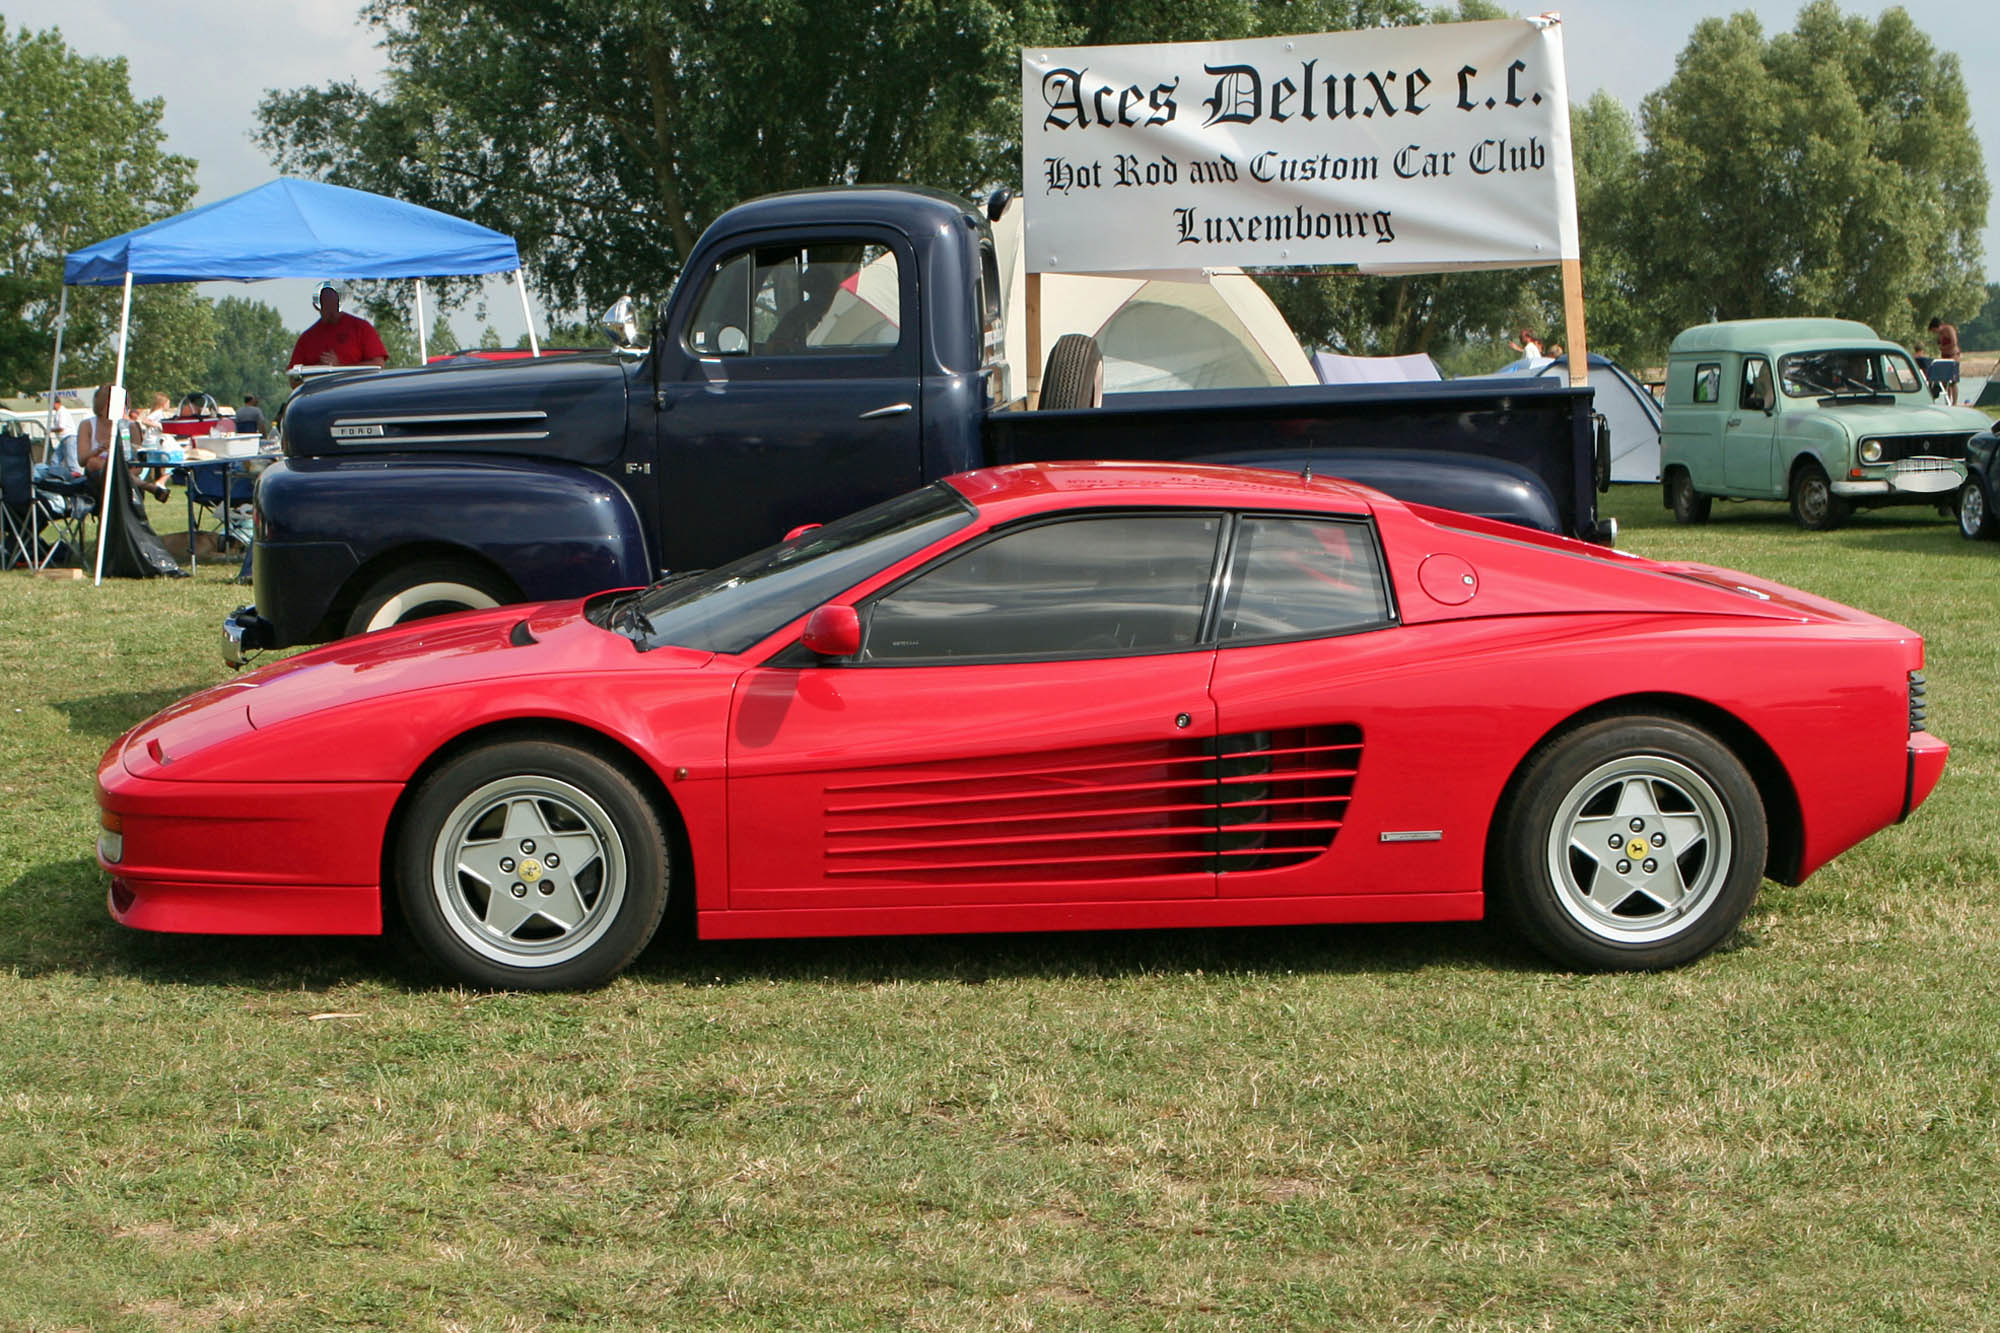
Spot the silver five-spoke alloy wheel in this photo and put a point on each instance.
(1639, 849)
(529, 871)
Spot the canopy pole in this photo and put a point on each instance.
(423, 341)
(55, 371)
(534, 345)
(114, 458)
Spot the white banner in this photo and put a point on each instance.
(1391, 149)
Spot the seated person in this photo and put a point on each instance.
(95, 439)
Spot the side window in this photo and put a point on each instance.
(1708, 382)
(795, 300)
(1757, 393)
(1292, 577)
(1090, 587)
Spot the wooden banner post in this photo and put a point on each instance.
(1575, 343)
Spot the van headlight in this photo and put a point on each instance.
(1871, 451)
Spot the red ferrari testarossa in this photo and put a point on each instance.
(1067, 696)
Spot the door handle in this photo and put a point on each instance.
(892, 410)
(1733, 421)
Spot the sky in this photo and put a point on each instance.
(213, 60)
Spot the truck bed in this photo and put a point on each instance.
(1469, 445)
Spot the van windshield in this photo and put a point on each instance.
(1838, 371)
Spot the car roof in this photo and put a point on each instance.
(1773, 335)
(1018, 488)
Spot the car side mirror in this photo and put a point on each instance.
(833, 631)
(621, 321)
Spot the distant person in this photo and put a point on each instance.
(1943, 369)
(250, 417)
(98, 436)
(337, 339)
(1530, 346)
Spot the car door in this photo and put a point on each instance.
(1028, 721)
(1749, 465)
(1336, 781)
(790, 392)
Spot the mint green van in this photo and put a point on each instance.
(1819, 412)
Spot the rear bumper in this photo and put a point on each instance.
(1924, 767)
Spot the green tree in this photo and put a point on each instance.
(1832, 170)
(81, 160)
(1981, 333)
(252, 345)
(442, 338)
(604, 134)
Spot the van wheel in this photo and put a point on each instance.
(1074, 376)
(426, 588)
(1975, 514)
(1689, 504)
(1814, 505)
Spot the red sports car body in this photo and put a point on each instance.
(1050, 697)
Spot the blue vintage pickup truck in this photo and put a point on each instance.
(822, 350)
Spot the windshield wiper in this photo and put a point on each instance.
(627, 617)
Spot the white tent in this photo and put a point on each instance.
(1630, 411)
(1199, 329)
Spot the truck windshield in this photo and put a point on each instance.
(731, 608)
(1837, 371)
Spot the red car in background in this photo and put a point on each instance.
(1067, 696)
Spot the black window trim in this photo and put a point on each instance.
(1392, 612)
(889, 238)
(1219, 581)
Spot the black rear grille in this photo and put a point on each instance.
(1919, 701)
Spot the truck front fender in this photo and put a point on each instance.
(328, 529)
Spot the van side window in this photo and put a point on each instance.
(1757, 392)
(1708, 382)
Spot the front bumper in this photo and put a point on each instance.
(245, 632)
(1922, 479)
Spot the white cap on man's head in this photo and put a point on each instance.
(334, 285)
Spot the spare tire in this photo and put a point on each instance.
(1074, 376)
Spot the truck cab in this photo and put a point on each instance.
(1822, 413)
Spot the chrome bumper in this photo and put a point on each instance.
(245, 632)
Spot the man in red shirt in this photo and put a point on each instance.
(335, 339)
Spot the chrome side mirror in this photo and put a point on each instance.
(621, 321)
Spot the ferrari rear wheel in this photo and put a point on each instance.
(531, 865)
(1635, 843)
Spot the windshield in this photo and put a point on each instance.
(732, 608)
(1868, 370)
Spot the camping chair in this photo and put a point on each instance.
(22, 511)
(219, 495)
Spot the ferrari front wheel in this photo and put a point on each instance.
(532, 865)
(1634, 844)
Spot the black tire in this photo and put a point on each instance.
(1648, 783)
(1814, 505)
(1074, 376)
(1975, 511)
(532, 865)
(1689, 505)
(425, 588)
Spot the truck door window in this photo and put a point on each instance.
(1757, 393)
(1708, 382)
(796, 300)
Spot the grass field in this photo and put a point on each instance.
(1420, 1127)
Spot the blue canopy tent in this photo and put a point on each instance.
(289, 229)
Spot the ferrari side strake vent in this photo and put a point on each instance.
(1251, 801)
(1919, 701)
